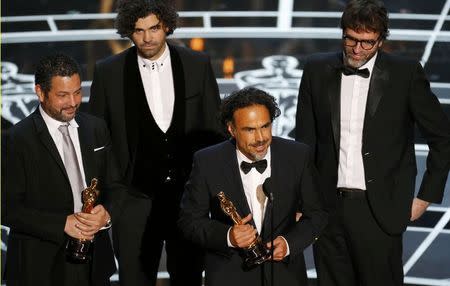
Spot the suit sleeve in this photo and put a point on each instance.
(305, 122)
(114, 187)
(25, 217)
(211, 100)
(435, 126)
(314, 217)
(195, 222)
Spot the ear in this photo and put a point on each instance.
(40, 93)
(230, 129)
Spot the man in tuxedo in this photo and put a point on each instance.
(52, 155)
(239, 167)
(160, 102)
(360, 127)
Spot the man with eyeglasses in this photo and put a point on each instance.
(160, 102)
(357, 110)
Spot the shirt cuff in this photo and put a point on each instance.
(228, 238)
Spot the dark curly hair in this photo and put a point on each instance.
(366, 15)
(54, 65)
(247, 97)
(129, 11)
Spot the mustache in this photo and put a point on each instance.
(260, 143)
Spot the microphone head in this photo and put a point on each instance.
(268, 187)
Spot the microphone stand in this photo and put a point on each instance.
(271, 237)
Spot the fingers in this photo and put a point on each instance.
(72, 229)
(242, 235)
(247, 218)
(279, 248)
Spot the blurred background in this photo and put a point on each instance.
(259, 43)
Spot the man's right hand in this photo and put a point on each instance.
(71, 228)
(244, 234)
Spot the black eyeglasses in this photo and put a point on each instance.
(365, 44)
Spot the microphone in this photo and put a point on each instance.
(267, 187)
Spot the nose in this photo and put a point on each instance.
(147, 36)
(73, 100)
(357, 48)
(259, 136)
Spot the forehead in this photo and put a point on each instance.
(66, 83)
(147, 21)
(362, 34)
(251, 116)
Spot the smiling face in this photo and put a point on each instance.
(149, 37)
(252, 129)
(63, 99)
(357, 56)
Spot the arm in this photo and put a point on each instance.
(97, 99)
(211, 102)
(314, 217)
(20, 215)
(435, 126)
(194, 221)
(305, 121)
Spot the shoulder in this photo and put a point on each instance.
(86, 119)
(396, 61)
(187, 54)
(289, 146)
(118, 59)
(23, 128)
(217, 151)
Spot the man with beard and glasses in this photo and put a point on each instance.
(160, 102)
(52, 155)
(239, 167)
(357, 110)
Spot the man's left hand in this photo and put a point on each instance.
(94, 221)
(279, 248)
(418, 208)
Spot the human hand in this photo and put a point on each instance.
(279, 248)
(418, 208)
(242, 235)
(92, 222)
(72, 228)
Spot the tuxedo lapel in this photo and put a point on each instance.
(47, 141)
(232, 174)
(87, 148)
(334, 95)
(378, 84)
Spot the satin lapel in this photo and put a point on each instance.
(334, 95)
(47, 140)
(378, 85)
(132, 90)
(235, 193)
(87, 148)
(179, 87)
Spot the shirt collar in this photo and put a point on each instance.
(157, 64)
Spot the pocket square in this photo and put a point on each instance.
(99, 148)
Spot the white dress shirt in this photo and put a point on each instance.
(159, 90)
(354, 91)
(251, 182)
(52, 126)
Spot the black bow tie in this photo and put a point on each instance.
(354, 71)
(260, 166)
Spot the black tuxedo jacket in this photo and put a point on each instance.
(202, 220)
(39, 198)
(117, 83)
(399, 97)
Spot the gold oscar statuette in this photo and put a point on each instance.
(80, 250)
(254, 254)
